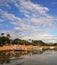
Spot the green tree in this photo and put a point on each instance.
(4, 39)
(15, 41)
(39, 43)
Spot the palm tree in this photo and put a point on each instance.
(8, 35)
(2, 34)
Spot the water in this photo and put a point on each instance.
(46, 57)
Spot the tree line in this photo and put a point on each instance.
(6, 40)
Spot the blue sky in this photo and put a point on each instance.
(29, 19)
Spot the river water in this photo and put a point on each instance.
(47, 57)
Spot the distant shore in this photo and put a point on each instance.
(24, 47)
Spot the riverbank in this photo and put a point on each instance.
(24, 47)
(16, 47)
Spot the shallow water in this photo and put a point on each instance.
(48, 57)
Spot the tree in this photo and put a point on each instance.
(15, 41)
(8, 35)
(38, 43)
(4, 39)
(2, 34)
(21, 42)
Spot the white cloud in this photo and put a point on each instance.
(36, 13)
(28, 7)
(7, 16)
(4, 3)
(29, 26)
(1, 20)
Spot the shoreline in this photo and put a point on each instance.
(24, 47)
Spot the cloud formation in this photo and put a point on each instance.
(35, 24)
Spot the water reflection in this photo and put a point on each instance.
(19, 57)
(11, 56)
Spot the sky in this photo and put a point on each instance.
(29, 19)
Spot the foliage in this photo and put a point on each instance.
(6, 40)
(20, 42)
(39, 43)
